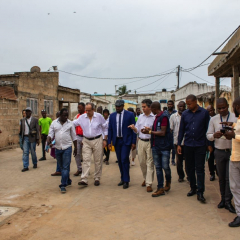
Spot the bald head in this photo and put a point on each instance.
(155, 107)
(222, 100)
(236, 106)
(211, 110)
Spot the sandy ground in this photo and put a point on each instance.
(107, 211)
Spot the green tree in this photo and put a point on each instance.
(123, 90)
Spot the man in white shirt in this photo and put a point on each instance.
(93, 125)
(144, 144)
(175, 120)
(223, 149)
(64, 133)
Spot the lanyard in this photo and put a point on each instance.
(227, 118)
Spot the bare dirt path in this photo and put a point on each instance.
(104, 212)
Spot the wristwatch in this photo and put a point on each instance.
(150, 131)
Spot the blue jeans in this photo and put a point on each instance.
(64, 160)
(27, 145)
(58, 169)
(161, 161)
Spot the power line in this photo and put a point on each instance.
(200, 78)
(191, 69)
(145, 77)
(153, 82)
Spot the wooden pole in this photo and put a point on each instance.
(235, 82)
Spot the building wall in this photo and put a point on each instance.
(9, 123)
(130, 105)
(195, 89)
(40, 86)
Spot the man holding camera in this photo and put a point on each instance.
(223, 149)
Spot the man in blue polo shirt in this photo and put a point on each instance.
(193, 127)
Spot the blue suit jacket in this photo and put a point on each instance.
(129, 137)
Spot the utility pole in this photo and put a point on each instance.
(178, 75)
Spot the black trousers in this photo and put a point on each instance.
(211, 165)
(107, 154)
(195, 163)
(222, 161)
(180, 159)
(44, 139)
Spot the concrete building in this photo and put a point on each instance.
(227, 64)
(201, 90)
(35, 89)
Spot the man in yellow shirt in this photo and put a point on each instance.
(234, 166)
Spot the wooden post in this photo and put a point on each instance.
(235, 82)
(217, 90)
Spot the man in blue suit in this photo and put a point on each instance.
(122, 138)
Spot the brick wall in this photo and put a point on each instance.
(9, 123)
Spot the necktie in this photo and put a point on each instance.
(120, 125)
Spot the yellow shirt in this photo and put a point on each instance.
(236, 142)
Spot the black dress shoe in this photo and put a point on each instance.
(192, 192)
(125, 185)
(34, 165)
(97, 183)
(121, 183)
(221, 204)
(42, 159)
(235, 222)
(230, 207)
(25, 169)
(201, 198)
(212, 178)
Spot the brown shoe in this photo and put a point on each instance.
(149, 189)
(56, 174)
(159, 192)
(167, 186)
(77, 173)
(144, 184)
(82, 183)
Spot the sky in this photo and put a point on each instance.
(115, 39)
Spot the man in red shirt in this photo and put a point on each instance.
(79, 133)
(161, 144)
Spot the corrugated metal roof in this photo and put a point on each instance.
(7, 93)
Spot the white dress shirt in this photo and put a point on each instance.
(26, 132)
(97, 126)
(175, 120)
(215, 126)
(117, 122)
(64, 134)
(107, 122)
(144, 121)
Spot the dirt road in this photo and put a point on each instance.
(104, 212)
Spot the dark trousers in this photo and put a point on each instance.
(211, 164)
(44, 139)
(195, 163)
(180, 159)
(222, 161)
(107, 154)
(123, 152)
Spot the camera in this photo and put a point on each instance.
(224, 129)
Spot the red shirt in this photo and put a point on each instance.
(79, 130)
(164, 123)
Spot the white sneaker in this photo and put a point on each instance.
(133, 163)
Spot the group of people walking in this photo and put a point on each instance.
(193, 134)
